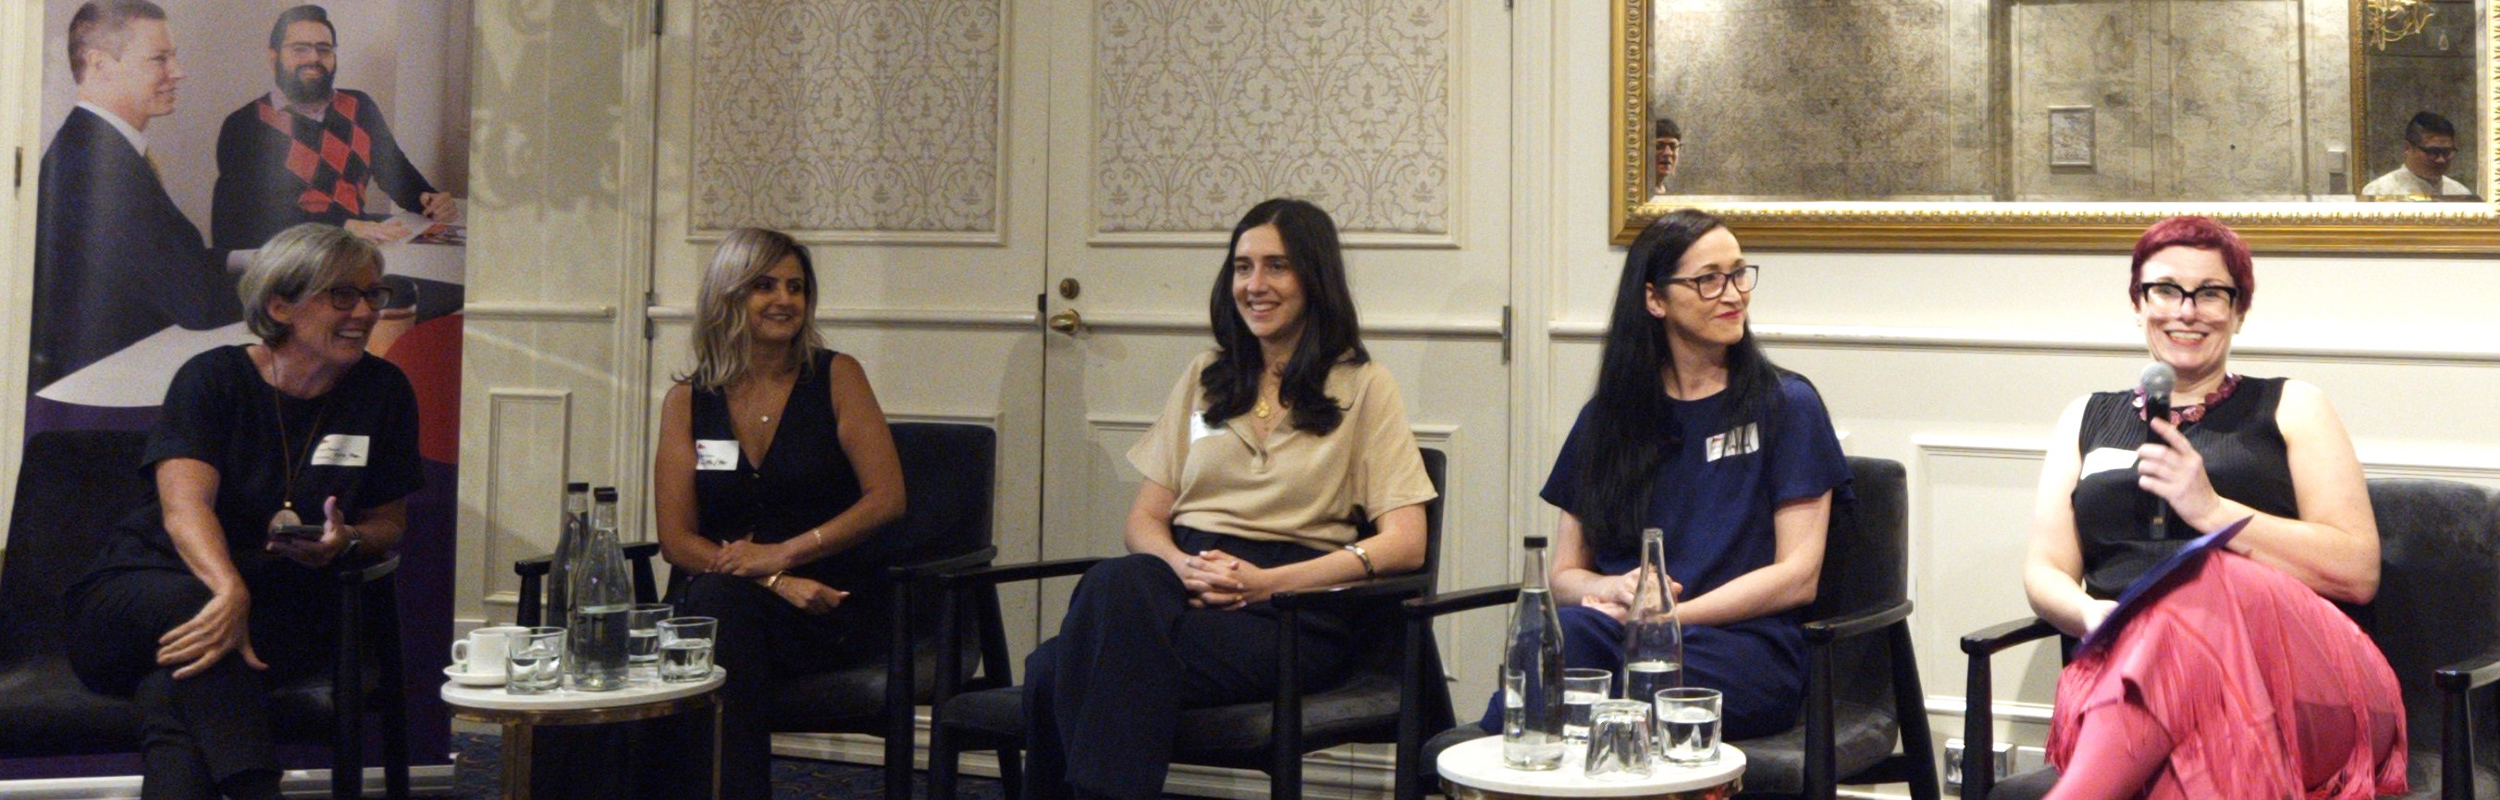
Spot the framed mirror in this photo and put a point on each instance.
(2361, 126)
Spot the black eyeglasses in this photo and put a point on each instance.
(2436, 152)
(344, 298)
(2206, 298)
(1712, 284)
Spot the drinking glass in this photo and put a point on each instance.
(535, 664)
(1618, 741)
(686, 648)
(1688, 725)
(642, 637)
(1582, 688)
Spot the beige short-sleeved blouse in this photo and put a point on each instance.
(1296, 486)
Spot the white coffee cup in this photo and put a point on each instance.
(484, 651)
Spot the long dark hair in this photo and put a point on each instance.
(1631, 427)
(1329, 331)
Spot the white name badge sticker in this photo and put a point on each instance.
(1198, 428)
(1732, 443)
(2104, 459)
(715, 455)
(342, 450)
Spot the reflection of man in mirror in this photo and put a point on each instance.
(2430, 146)
(304, 153)
(115, 259)
(1669, 142)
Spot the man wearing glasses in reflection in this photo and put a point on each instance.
(2430, 146)
(304, 153)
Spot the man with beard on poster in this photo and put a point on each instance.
(304, 153)
(115, 260)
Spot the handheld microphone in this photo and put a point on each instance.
(2155, 383)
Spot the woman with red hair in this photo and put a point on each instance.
(2243, 679)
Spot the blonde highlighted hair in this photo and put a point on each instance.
(723, 335)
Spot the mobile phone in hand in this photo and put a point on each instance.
(309, 533)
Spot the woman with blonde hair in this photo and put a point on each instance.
(774, 459)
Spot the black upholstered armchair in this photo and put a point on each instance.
(1865, 717)
(2436, 618)
(75, 485)
(1270, 736)
(949, 473)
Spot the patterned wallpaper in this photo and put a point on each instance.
(1204, 107)
(847, 115)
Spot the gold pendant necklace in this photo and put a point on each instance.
(1263, 409)
(287, 466)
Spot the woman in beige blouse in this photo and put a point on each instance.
(1254, 473)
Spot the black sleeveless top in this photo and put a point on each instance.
(804, 480)
(2244, 459)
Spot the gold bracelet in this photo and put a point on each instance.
(819, 531)
(773, 581)
(1358, 552)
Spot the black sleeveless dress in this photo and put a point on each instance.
(804, 479)
(2244, 458)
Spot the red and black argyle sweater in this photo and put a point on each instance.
(277, 168)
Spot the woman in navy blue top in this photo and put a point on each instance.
(1693, 431)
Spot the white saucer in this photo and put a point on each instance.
(473, 678)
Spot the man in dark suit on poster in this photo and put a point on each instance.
(115, 259)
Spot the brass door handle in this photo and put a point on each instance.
(1067, 322)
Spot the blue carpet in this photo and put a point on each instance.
(479, 776)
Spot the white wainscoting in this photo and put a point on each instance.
(529, 438)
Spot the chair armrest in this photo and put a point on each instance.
(1452, 602)
(2470, 674)
(926, 569)
(362, 571)
(642, 550)
(1344, 594)
(1011, 573)
(1991, 640)
(534, 567)
(1827, 631)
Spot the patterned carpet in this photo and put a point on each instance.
(798, 778)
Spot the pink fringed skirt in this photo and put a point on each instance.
(2263, 688)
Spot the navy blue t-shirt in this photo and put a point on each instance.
(1714, 497)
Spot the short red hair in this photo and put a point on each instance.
(2201, 233)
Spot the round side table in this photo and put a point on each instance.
(520, 713)
(1473, 770)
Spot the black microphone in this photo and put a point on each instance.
(2155, 384)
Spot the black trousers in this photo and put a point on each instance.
(761, 639)
(1103, 699)
(210, 733)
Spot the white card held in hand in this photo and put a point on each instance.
(715, 455)
(342, 450)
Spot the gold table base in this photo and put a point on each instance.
(518, 726)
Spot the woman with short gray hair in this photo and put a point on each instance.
(269, 461)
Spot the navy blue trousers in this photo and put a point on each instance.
(1103, 699)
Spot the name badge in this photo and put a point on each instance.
(2104, 459)
(1732, 443)
(715, 455)
(1198, 428)
(341, 450)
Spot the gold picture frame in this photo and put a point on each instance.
(2284, 227)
